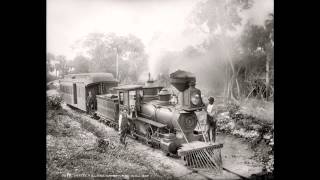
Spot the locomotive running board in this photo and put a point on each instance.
(202, 155)
(157, 124)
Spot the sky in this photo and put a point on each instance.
(161, 25)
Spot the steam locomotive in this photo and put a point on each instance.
(153, 117)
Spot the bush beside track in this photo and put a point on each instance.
(258, 132)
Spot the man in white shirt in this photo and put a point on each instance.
(123, 125)
(211, 121)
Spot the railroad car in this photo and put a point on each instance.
(74, 88)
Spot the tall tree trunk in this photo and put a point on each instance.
(237, 83)
(231, 89)
(267, 77)
(232, 77)
(229, 77)
(238, 89)
(228, 97)
(225, 92)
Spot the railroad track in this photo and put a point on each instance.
(202, 173)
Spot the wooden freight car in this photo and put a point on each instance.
(75, 87)
(108, 108)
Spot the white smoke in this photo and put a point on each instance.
(206, 67)
(257, 14)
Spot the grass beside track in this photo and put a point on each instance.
(72, 151)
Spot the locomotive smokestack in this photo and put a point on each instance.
(181, 79)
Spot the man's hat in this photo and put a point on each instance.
(211, 98)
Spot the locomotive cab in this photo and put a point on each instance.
(130, 97)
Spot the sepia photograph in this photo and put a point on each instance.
(160, 89)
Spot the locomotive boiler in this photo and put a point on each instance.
(179, 119)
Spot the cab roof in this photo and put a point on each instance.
(131, 87)
(153, 86)
(128, 87)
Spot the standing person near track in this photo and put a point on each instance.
(211, 121)
(90, 103)
(124, 125)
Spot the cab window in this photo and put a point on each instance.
(141, 93)
(132, 98)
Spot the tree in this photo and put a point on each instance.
(222, 17)
(49, 67)
(247, 55)
(269, 47)
(62, 67)
(257, 43)
(109, 50)
(50, 57)
(80, 64)
(223, 14)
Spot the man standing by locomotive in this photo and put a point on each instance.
(211, 121)
(123, 126)
(90, 103)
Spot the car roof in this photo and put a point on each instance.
(90, 78)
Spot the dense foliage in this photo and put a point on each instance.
(123, 56)
(236, 59)
(106, 51)
(259, 133)
(54, 102)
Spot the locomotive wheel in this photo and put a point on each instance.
(149, 133)
(148, 136)
(132, 132)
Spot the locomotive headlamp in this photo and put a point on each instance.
(195, 99)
